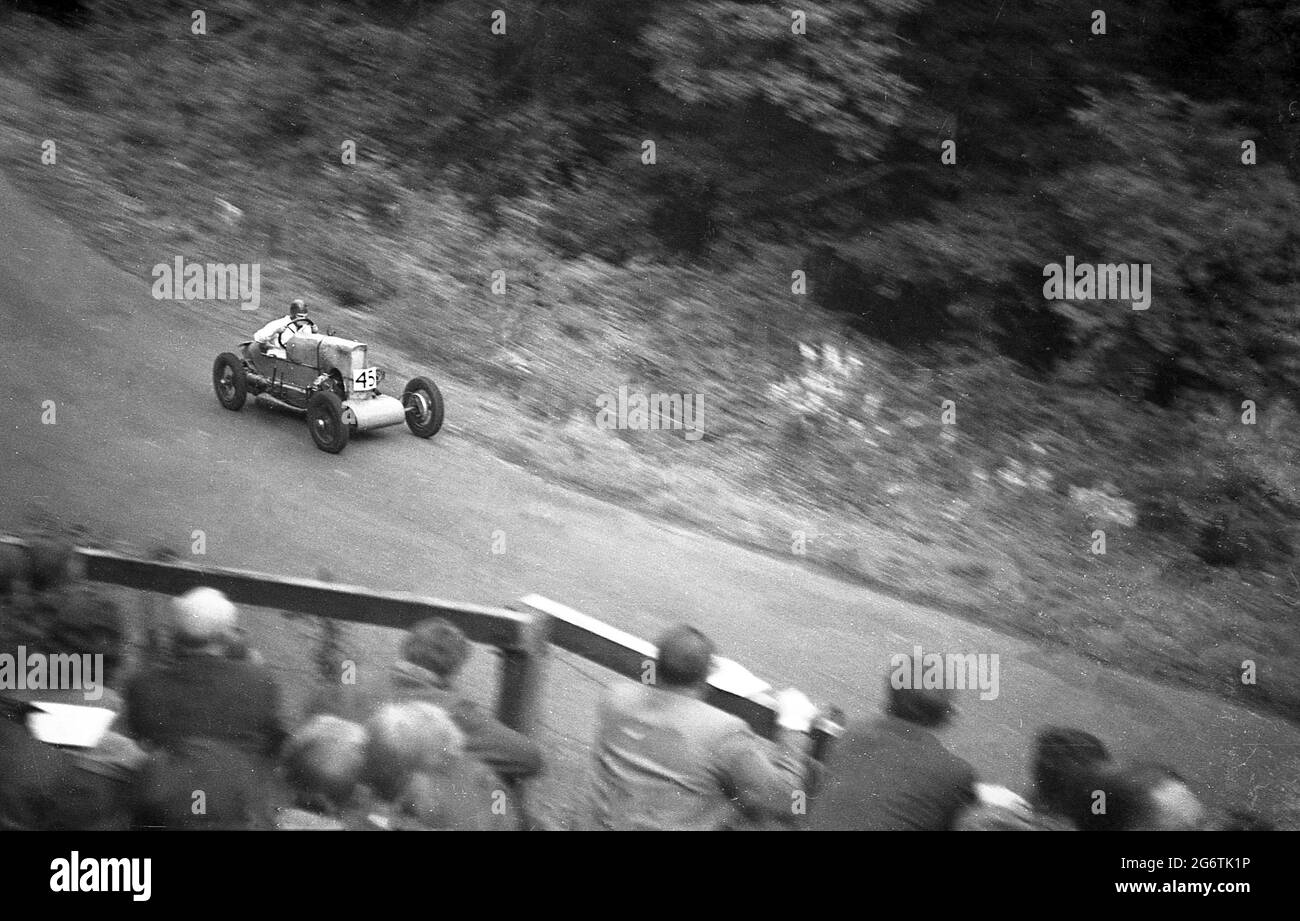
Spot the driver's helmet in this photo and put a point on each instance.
(297, 309)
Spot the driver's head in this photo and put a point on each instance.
(297, 309)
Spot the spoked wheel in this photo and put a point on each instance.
(325, 422)
(229, 382)
(423, 402)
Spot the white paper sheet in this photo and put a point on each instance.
(69, 724)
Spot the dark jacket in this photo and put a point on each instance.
(891, 775)
(204, 784)
(207, 697)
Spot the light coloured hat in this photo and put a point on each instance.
(326, 755)
(204, 615)
(414, 736)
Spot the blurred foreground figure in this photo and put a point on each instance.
(52, 784)
(894, 774)
(433, 655)
(666, 760)
(200, 784)
(202, 692)
(210, 721)
(1149, 797)
(323, 763)
(1068, 767)
(417, 765)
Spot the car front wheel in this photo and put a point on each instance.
(325, 421)
(423, 402)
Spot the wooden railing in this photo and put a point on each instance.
(523, 634)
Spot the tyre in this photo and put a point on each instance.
(423, 402)
(325, 422)
(229, 382)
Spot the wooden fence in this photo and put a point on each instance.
(524, 633)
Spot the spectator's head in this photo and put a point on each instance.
(1150, 797)
(438, 646)
(930, 707)
(324, 760)
(205, 621)
(1066, 769)
(406, 739)
(684, 659)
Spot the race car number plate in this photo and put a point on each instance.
(366, 379)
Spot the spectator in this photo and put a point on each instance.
(433, 655)
(416, 763)
(323, 763)
(666, 760)
(32, 774)
(41, 581)
(1068, 766)
(895, 774)
(55, 788)
(1148, 797)
(202, 691)
(202, 784)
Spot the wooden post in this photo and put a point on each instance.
(521, 690)
(523, 674)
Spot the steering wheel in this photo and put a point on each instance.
(292, 328)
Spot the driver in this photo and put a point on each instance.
(274, 334)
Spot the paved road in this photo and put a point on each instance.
(142, 452)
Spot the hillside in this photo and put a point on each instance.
(798, 254)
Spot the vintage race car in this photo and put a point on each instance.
(330, 378)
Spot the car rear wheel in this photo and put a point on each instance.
(325, 421)
(423, 402)
(229, 382)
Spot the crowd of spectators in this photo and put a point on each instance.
(199, 739)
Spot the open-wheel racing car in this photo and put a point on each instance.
(329, 377)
